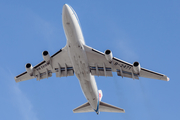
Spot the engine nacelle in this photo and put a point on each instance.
(46, 56)
(108, 55)
(136, 67)
(29, 69)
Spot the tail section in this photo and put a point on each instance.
(103, 107)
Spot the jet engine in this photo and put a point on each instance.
(136, 67)
(46, 56)
(108, 55)
(29, 69)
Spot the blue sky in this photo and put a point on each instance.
(141, 30)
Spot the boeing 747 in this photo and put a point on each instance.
(86, 62)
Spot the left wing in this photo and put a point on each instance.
(59, 63)
(100, 66)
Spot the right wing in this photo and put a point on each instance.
(99, 66)
(59, 63)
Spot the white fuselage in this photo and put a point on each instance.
(77, 54)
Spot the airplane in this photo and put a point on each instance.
(86, 62)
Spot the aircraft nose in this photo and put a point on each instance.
(65, 6)
(65, 13)
(66, 9)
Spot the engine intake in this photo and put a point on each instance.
(108, 55)
(46, 56)
(136, 67)
(29, 69)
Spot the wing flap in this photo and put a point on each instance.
(101, 73)
(128, 74)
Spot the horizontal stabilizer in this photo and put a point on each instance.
(83, 108)
(104, 107)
